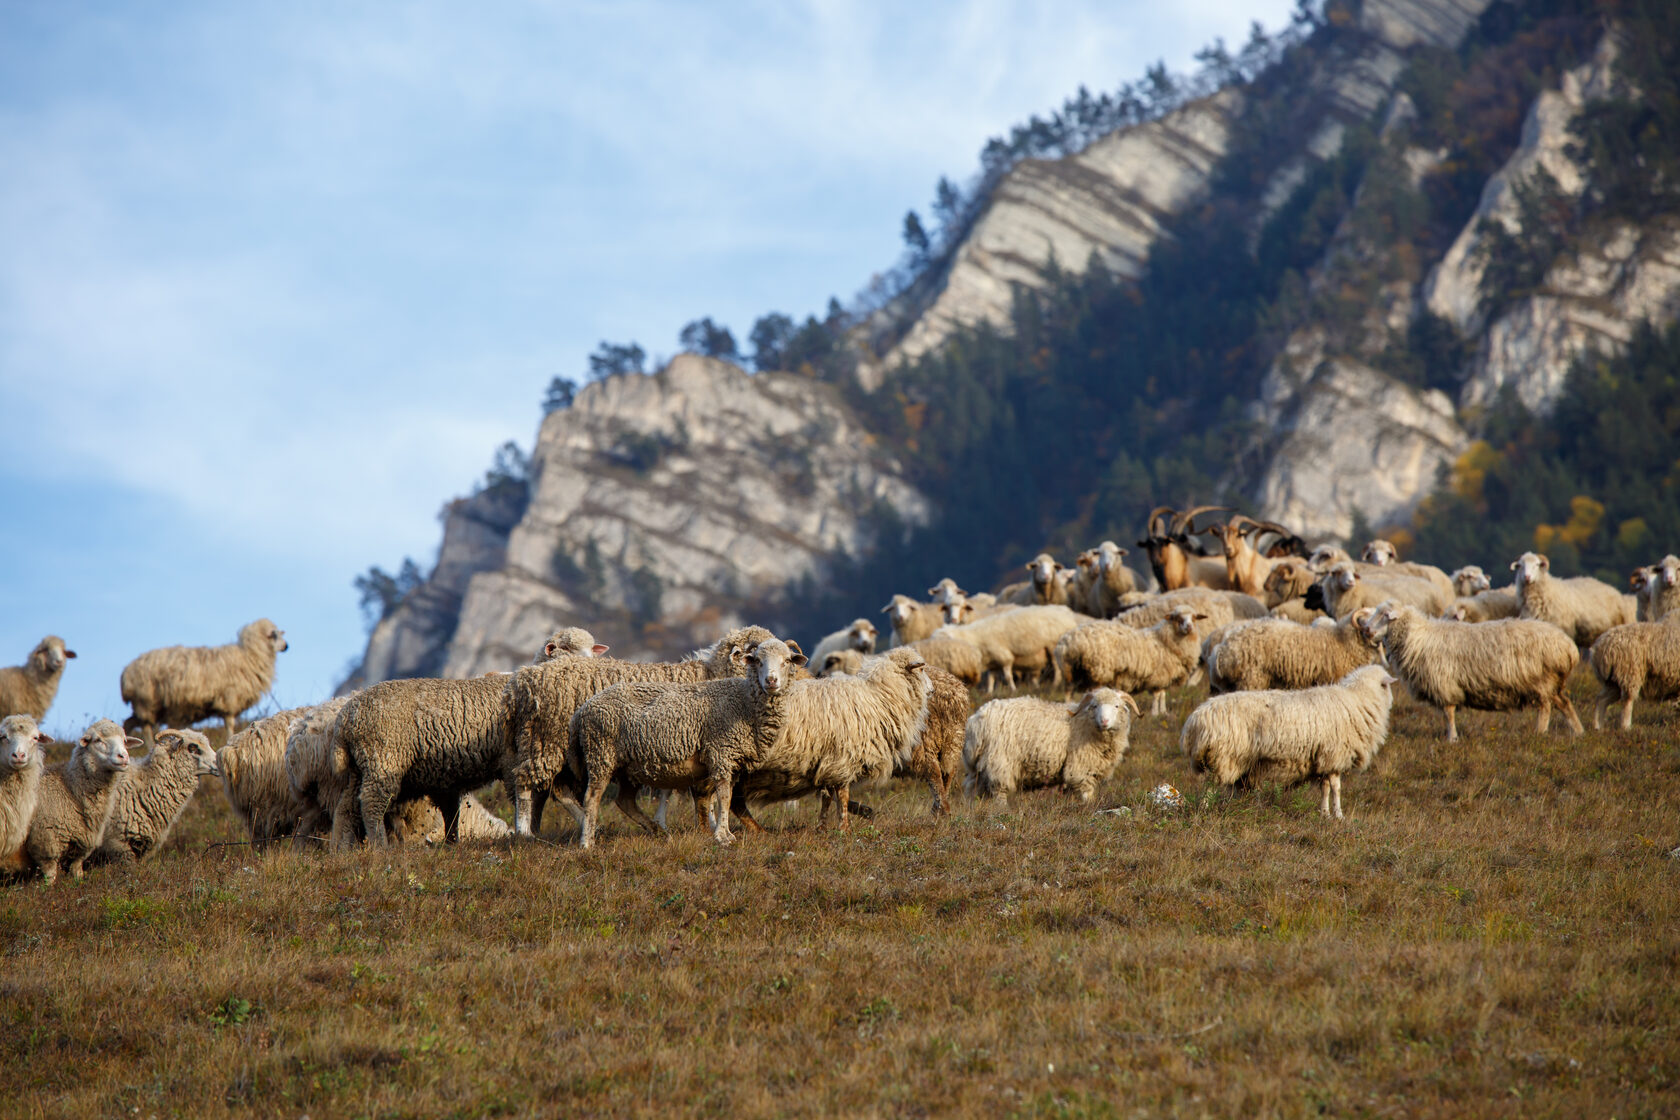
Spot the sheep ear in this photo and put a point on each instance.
(930, 591)
(1545, 563)
(738, 655)
(1199, 617)
(1514, 564)
(549, 649)
(130, 741)
(799, 659)
(69, 653)
(43, 737)
(597, 651)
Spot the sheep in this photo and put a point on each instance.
(29, 689)
(253, 766)
(913, 621)
(1639, 584)
(937, 756)
(1083, 593)
(1047, 589)
(569, 641)
(156, 793)
(1293, 736)
(1633, 660)
(1289, 580)
(181, 685)
(1469, 580)
(1115, 579)
(419, 820)
(1018, 594)
(75, 801)
(1275, 654)
(838, 732)
(945, 591)
(1484, 606)
(1382, 554)
(20, 785)
(1582, 607)
(1114, 655)
(959, 659)
(860, 635)
(1022, 637)
(1502, 665)
(1346, 589)
(690, 735)
(538, 702)
(1664, 584)
(1220, 607)
(1022, 744)
(1327, 556)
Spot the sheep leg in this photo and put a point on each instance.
(1006, 665)
(1544, 723)
(661, 804)
(626, 802)
(738, 805)
(843, 801)
(938, 793)
(376, 800)
(1158, 704)
(822, 810)
(230, 720)
(1336, 784)
(1324, 805)
(592, 795)
(1567, 707)
(1599, 706)
(522, 809)
(344, 819)
(1627, 709)
(1452, 722)
(721, 798)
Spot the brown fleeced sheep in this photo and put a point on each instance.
(21, 766)
(75, 801)
(1634, 660)
(29, 689)
(155, 795)
(181, 685)
(1021, 744)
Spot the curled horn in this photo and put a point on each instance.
(1184, 522)
(1159, 518)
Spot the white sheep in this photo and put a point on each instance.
(913, 621)
(1277, 654)
(1382, 554)
(1636, 659)
(1503, 665)
(1043, 570)
(1664, 585)
(1346, 589)
(1114, 655)
(29, 689)
(75, 801)
(1468, 580)
(860, 635)
(1021, 744)
(1023, 638)
(1484, 606)
(21, 767)
(1293, 736)
(253, 766)
(1582, 607)
(182, 685)
(155, 795)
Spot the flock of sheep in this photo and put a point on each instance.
(1300, 652)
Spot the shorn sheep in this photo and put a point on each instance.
(1021, 744)
(539, 701)
(1633, 660)
(155, 795)
(1582, 607)
(860, 635)
(1273, 653)
(836, 733)
(75, 801)
(937, 756)
(1117, 656)
(913, 621)
(685, 736)
(20, 785)
(1293, 736)
(1019, 639)
(182, 685)
(1497, 666)
(28, 689)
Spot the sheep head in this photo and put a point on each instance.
(1529, 567)
(1470, 579)
(177, 741)
(1043, 568)
(946, 591)
(1343, 576)
(862, 635)
(1109, 555)
(1380, 552)
(772, 662)
(263, 635)
(21, 738)
(573, 641)
(1326, 556)
(105, 741)
(1104, 706)
(1670, 572)
(49, 655)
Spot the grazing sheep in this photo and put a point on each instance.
(691, 735)
(20, 785)
(75, 801)
(913, 621)
(156, 793)
(539, 701)
(28, 689)
(1293, 736)
(1484, 606)
(1275, 654)
(1633, 660)
(1114, 655)
(181, 685)
(860, 635)
(1664, 584)
(253, 766)
(1346, 589)
(959, 659)
(1024, 638)
(1469, 580)
(1498, 666)
(1011, 746)
(1582, 607)
(838, 732)
(937, 756)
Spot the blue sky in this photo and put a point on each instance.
(275, 280)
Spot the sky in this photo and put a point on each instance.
(277, 279)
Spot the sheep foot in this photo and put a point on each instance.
(721, 800)
(1627, 712)
(1452, 723)
(844, 802)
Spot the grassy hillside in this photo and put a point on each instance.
(1491, 932)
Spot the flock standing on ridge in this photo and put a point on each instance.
(1299, 649)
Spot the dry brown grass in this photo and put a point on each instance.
(1492, 932)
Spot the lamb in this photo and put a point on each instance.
(1022, 637)
(937, 756)
(20, 785)
(155, 795)
(838, 732)
(1293, 736)
(419, 820)
(1275, 654)
(913, 621)
(1484, 606)
(253, 766)
(860, 635)
(1582, 607)
(75, 801)
(538, 702)
(1502, 665)
(181, 685)
(29, 689)
(689, 735)
(1114, 655)
(1023, 744)
(1633, 660)
(1345, 590)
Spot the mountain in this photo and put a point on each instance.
(1306, 287)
